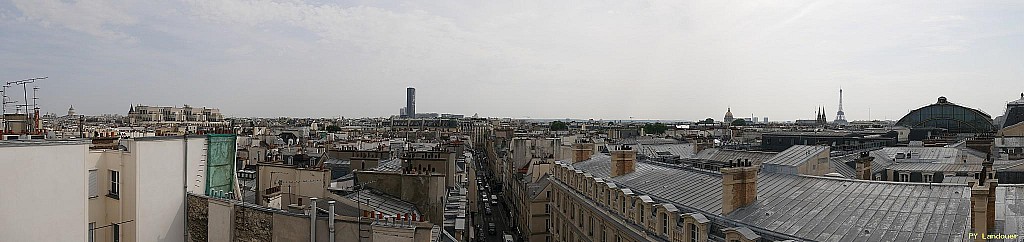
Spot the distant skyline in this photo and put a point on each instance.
(677, 60)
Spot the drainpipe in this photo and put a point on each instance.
(184, 180)
(330, 221)
(312, 219)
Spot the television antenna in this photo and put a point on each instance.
(6, 100)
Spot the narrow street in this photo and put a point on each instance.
(499, 215)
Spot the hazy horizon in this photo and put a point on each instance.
(673, 60)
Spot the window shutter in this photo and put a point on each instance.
(93, 185)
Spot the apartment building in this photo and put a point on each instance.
(129, 190)
(147, 115)
(618, 198)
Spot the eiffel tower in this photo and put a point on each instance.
(840, 116)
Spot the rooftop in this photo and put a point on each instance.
(381, 202)
(796, 155)
(815, 208)
(723, 156)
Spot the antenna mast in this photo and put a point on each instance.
(34, 127)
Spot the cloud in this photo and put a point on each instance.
(651, 59)
(97, 18)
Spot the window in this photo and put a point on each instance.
(547, 208)
(664, 224)
(572, 211)
(928, 178)
(642, 215)
(694, 233)
(94, 189)
(602, 234)
(547, 224)
(580, 218)
(116, 232)
(904, 177)
(115, 181)
(92, 232)
(590, 229)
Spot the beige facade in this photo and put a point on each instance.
(426, 191)
(289, 184)
(585, 208)
(134, 191)
(1015, 130)
(440, 161)
(530, 199)
(142, 114)
(42, 182)
(133, 187)
(213, 219)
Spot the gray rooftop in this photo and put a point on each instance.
(721, 155)
(933, 154)
(796, 155)
(382, 202)
(839, 163)
(816, 208)
(746, 232)
(1010, 209)
(1009, 142)
(392, 165)
(811, 133)
(682, 150)
(832, 209)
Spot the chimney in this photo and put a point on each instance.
(623, 161)
(983, 200)
(702, 143)
(992, 182)
(582, 150)
(864, 166)
(312, 219)
(330, 220)
(739, 185)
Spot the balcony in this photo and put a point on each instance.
(272, 190)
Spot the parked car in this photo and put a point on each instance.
(491, 229)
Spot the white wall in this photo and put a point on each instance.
(44, 193)
(196, 165)
(160, 207)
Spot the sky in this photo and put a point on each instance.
(686, 60)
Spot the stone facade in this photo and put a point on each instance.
(584, 208)
(198, 210)
(253, 225)
(170, 114)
